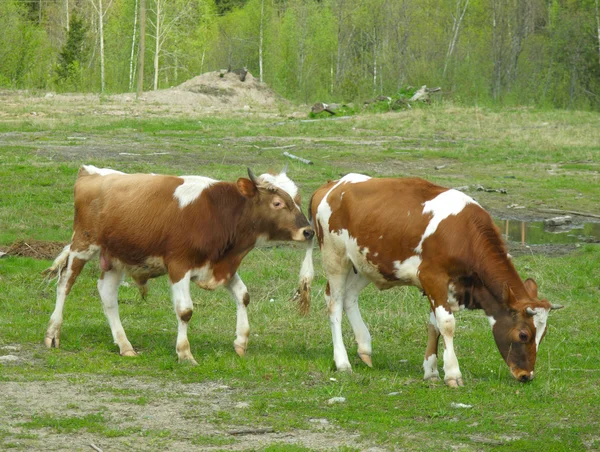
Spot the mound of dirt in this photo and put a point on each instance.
(37, 249)
(220, 90)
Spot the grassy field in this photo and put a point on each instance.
(86, 394)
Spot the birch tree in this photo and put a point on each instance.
(458, 17)
(101, 12)
(165, 15)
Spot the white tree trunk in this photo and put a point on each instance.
(67, 14)
(598, 28)
(455, 28)
(157, 44)
(131, 67)
(260, 44)
(141, 50)
(101, 32)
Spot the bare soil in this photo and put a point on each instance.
(154, 415)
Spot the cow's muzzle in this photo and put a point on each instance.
(522, 375)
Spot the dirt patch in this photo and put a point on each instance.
(37, 249)
(72, 412)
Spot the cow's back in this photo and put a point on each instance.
(126, 213)
(383, 225)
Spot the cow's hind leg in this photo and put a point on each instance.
(238, 290)
(354, 284)
(108, 286)
(334, 296)
(67, 267)
(430, 362)
(182, 302)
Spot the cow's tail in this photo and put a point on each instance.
(59, 264)
(307, 273)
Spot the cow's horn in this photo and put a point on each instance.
(530, 311)
(285, 168)
(252, 176)
(556, 306)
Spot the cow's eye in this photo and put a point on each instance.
(523, 336)
(277, 204)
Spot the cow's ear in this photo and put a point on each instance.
(531, 287)
(246, 187)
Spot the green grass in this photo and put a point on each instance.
(86, 390)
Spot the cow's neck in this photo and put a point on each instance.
(498, 275)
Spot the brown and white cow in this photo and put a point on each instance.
(395, 232)
(193, 228)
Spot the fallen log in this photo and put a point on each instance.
(295, 157)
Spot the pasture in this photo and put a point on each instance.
(278, 397)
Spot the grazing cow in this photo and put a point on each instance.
(395, 232)
(193, 228)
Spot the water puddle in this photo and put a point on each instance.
(538, 233)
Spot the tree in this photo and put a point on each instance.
(70, 59)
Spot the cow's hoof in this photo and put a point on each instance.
(190, 361)
(241, 351)
(366, 359)
(129, 353)
(52, 341)
(347, 368)
(432, 378)
(454, 382)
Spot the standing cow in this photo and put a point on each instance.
(395, 232)
(193, 228)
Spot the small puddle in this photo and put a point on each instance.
(538, 233)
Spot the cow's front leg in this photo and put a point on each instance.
(436, 289)
(446, 325)
(430, 362)
(182, 302)
(238, 290)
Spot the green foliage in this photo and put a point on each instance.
(71, 57)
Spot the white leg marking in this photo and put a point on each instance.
(337, 285)
(53, 332)
(430, 363)
(182, 302)
(430, 367)
(238, 290)
(108, 287)
(354, 285)
(446, 325)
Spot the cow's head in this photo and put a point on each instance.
(277, 214)
(519, 330)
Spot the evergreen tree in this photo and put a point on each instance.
(71, 56)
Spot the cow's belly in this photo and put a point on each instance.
(369, 263)
(152, 267)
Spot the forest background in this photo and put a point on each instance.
(481, 52)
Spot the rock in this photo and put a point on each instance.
(8, 358)
(319, 421)
(558, 221)
(335, 400)
(460, 405)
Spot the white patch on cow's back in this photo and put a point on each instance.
(450, 202)
(407, 271)
(91, 169)
(539, 321)
(191, 189)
